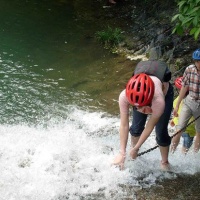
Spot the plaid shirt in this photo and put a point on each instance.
(191, 77)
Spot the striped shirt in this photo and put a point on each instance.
(191, 78)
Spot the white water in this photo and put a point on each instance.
(72, 160)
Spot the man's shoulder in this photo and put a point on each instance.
(122, 96)
(191, 67)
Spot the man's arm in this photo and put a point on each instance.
(145, 134)
(124, 131)
(181, 96)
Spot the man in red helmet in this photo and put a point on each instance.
(155, 100)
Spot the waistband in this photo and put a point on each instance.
(194, 99)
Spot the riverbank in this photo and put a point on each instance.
(143, 27)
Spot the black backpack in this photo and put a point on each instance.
(154, 68)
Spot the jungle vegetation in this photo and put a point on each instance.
(188, 18)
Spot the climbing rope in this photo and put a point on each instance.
(151, 149)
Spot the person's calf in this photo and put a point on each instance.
(174, 143)
(197, 142)
(134, 141)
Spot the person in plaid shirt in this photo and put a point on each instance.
(191, 104)
(189, 133)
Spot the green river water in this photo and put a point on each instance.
(47, 57)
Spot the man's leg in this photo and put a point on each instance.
(138, 124)
(164, 151)
(197, 142)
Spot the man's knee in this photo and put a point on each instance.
(163, 141)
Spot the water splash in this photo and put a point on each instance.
(67, 162)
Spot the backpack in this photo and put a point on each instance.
(154, 68)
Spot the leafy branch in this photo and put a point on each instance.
(188, 18)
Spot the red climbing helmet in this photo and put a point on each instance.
(140, 90)
(178, 82)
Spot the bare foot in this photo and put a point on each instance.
(164, 166)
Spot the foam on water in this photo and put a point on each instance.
(60, 161)
(72, 160)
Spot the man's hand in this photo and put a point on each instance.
(172, 123)
(175, 112)
(119, 160)
(134, 153)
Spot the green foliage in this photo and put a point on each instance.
(109, 37)
(188, 18)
